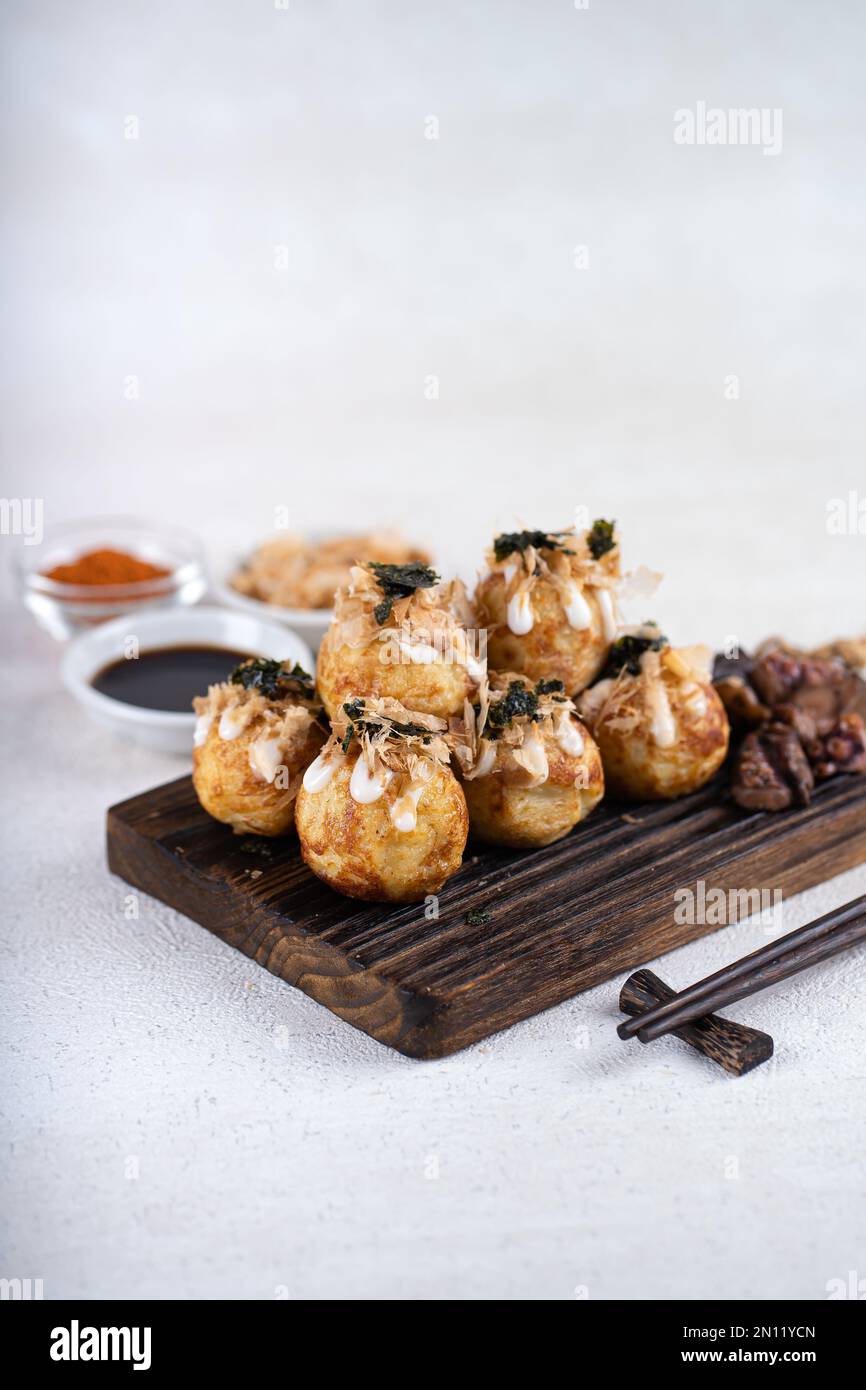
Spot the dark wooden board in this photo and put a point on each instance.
(562, 919)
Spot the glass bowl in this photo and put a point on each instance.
(63, 609)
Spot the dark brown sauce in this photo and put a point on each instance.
(167, 678)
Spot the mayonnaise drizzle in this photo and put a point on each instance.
(404, 812)
(233, 721)
(591, 701)
(662, 727)
(577, 610)
(608, 617)
(475, 669)
(419, 653)
(534, 756)
(320, 772)
(520, 618)
(202, 729)
(568, 735)
(266, 757)
(366, 787)
(696, 700)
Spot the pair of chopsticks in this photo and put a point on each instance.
(787, 956)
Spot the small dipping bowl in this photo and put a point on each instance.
(165, 730)
(63, 609)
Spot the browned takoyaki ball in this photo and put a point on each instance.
(549, 603)
(380, 814)
(661, 727)
(531, 769)
(434, 687)
(251, 747)
(398, 633)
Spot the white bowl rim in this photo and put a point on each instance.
(80, 686)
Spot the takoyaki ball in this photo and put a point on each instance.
(254, 735)
(531, 770)
(380, 815)
(660, 725)
(400, 634)
(548, 602)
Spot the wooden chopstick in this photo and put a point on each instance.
(762, 977)
(812, 932)
(732, 1046)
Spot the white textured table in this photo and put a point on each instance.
(244, 278)
(179, 1123)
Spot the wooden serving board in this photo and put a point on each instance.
(562, 919)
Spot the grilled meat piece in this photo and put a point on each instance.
(741, 702)
(771, 770)
(776, 676)
(842, 749)
(756, 784)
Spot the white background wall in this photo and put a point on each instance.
(275, 1147)
(304, 128)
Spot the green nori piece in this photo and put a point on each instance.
(519, 701)
(509, 541)
(359, 725)
(601, 538)
(264, 848)
(399, 581)
(626, 652)
(382, 611)
(477, 916)
(273, 680)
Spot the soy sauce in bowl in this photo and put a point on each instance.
(167, 678)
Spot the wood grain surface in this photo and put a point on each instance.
(559, 920)
(732, 1046)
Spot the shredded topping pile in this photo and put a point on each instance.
(399, 753)
(388, 733)
(295, 573)
(519, 542)
(399, 581)
(515, 704)
(563, 557)
(404, 604)
(627, 650)
(504, 732)
(274, 679)
(279, 702)
(633, 683)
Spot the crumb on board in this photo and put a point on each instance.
(477, 916)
